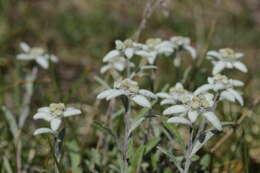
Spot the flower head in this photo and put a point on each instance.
(54, 114)
(224, 85)
(182, 43)
(129, 88)
(36, 53)
(226, 58)
(193, 106)
(176, 94)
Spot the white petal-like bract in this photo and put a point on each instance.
(55, 123)
(212, 118)
(71, 112)
(142, 101)
(175, 110)
(42, 130)
(179, 120)
(218, 67)
(240, 66)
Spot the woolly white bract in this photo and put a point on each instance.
(129, 88)
(226, 58)
(54, 114)
(39, 55)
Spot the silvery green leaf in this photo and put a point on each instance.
(135, 124)
(9, 116)
(172, 158)
(75, 156)
(142, 101)
(175, 110)
(198, 145)
(151, 144)
(7, 165)
(136, 160)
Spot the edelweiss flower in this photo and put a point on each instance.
(36, 53)
(182, 43)
(130, 89)
(155, 47)
(226, 87)
(175, 95)
(194, 105)
(54, 114)
(123, 49)
(116, 63)
(226, 58)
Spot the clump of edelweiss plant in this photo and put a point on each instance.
(194, 109)
(55, 114)
(38, 54)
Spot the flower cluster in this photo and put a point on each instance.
(119, 58)
(129, 88)
(54, 114)
(226, 58)
(37, 54)
(221, 83)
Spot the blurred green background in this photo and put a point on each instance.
(80, 33)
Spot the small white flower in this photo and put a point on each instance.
(37, 54)
(182, 43)
(193, 106)
(155, 47)
(225, 86)
(130, 89)
(54, 114)
(174, 96)
(117, 63)
(226, 58)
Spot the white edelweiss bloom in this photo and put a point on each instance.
(37, 54)
(129, 88)
(226, 58)
(117, 63)
(155, 47)
(174, 95)
(182, 43)
(224, 85)
(54, 114)
(193, 106)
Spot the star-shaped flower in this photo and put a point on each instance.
(129, 88)
(54, 114)
(225, 86)
(193, 106)
(37, 54)
(226, 58)
(174, 96)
